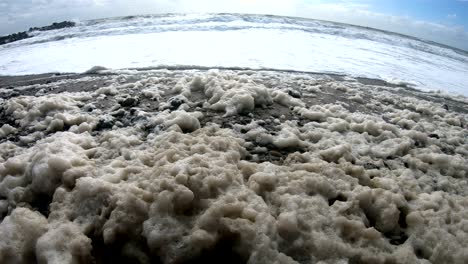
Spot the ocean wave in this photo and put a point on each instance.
(356, 50)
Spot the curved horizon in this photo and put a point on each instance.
(233, 40)
(438, 21)
(428, 41)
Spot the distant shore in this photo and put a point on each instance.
(26, 34)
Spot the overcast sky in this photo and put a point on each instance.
(444, 21)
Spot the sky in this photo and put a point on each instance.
(443, 21)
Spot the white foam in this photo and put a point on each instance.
(347, 186)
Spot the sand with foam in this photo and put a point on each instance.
(236, 166)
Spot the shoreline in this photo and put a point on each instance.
(12, 81)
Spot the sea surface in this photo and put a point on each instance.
(235, 40)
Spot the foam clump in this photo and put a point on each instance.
(285, 99)
(96, 69)
(20, 231)
(288, 138)
(64, 244)
(231, 95)
(5, 130)
(38, 171)
(48, 113)
(184, 121)
(204, 166)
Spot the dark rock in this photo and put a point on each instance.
(88, 108)
(294, 93)
(446, 107)
(397, 239)
(275, 153)
(12, 138)
(104, 124)
(370, 166)
(175, 102)
(119, 113)
(129, 102)
(14, 37)
(55, 25)
(24, 35)
(434, 136)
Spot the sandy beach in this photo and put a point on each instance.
(204, 165)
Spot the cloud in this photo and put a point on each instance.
(451, 35)
(452, 16)
(16, 15)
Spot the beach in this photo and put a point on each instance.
(233, 165)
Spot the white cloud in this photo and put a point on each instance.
(452, 16)
(451, 35)
(20, 14)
